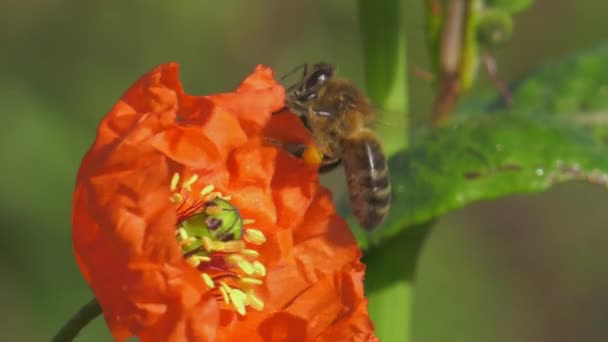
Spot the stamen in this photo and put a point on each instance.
(233, 246)
(255, 301)
(202, 258)
(174, 181)
(213, 195)
(211, 231)
(238, 299)
(224, 294)
(182, 233)
(176, 198)
(187, 184)
(196, 260)
(208, 281)
(187, 241)
(250, 253)
(243, 264)
(260, 269)
(254, 236)
(213, 210)
(252, 281)
(207, 190)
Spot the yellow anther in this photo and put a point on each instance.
(213, 210)
(248, 221)
(202, 258)
(194, 261)
(187, 241)
(208, 243)
(188, 184)
(233, 246)
(254, 236)
(176, 198)
(239, 300)
(213, 246)
(182, 233)
(255, 301)
(174, 181)
(208, 281)
(225, 295)
(250, 253)
(260, 269)
(241, 263)
(252, 281)
(213, 195)
(207, 190)
(227, 198)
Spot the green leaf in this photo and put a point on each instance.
(497, 152)
(574, 88)
(488, 157)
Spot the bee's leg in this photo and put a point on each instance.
(321, 112)
(295, 149)
(293, 107)
(329, 164)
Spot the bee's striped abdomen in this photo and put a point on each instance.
(368, 178)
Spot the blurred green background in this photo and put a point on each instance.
(525, 268)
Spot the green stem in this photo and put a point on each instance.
(384, 52)
(84, 316)
(390, 282)
(389, 287)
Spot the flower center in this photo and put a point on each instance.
(216, 240)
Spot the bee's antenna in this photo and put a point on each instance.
(296, 69)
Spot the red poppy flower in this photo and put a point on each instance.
(188, 226)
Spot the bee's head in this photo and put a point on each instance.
(312, 81)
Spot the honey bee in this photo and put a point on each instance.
(338, 115)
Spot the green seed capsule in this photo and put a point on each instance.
(219, 221)
(223, 220)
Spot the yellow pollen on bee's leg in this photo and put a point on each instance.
(207, 190)
(174, 181)
(208, 281)
(254, 236)
(312, 155)
(188, 184)
(227, 198)
(255, 301)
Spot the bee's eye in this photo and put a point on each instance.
(318, 77)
